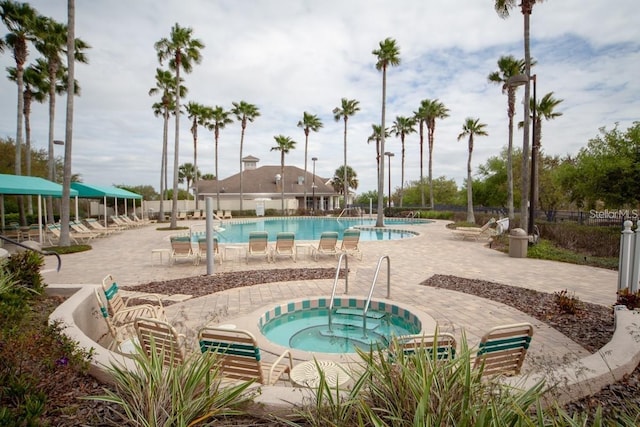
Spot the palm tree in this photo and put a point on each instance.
(52, 43)
(74, 52)
(544, 110)
(508, 66)
(284, 144)
(376, 136)
(347, 108)
(471, 128)
(309, 122)
(244, 112)
(199, 114)
(35, 89)
(338, 178)
(503, 7)
(388, 55)
(165, 84)
(218, 120)
(402, 127)
(181, 50)
(188, 173)
(20, 19)
(431, 110)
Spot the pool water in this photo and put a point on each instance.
(311, 228)
(309, 330)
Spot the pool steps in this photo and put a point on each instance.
(359, 312)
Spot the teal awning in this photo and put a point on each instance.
(30, 185)
(97, 192)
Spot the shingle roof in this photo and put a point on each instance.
(262, 180)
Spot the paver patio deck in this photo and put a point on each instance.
(434, 251)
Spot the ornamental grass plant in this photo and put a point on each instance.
(192, 393)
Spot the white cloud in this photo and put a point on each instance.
(292, 56)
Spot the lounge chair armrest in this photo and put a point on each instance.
(278, 362)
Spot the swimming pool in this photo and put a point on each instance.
(304, 325)
(310, 228)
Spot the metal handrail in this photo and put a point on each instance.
(335, 283)
(45, 253)
(373, 285)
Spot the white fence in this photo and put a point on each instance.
(629, 267)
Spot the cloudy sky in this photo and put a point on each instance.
(291, 56)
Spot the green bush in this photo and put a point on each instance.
(593, 240)
(416, 390)
(25, 268)
(188, 394)
(37, 361)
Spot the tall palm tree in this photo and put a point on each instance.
(508, 66)
(376, 136)
(35, 89)
(219, 119)
(73, 50)
(284, 144)
(503, 8)
(347, 108)
(471, 127)
(52, 44)
(199, 114)
(20, 19)
(387, 55)
(432, 109)
(244, 113)
(165, 84)
(181, 50)
(402, 127)
(544, 110)
(309, 122)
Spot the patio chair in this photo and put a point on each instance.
(93, 224)
(202, 249)
(439, 346)
(54, 230)
(502, 350)
(227, 215)
(160, 337)
(285, 246)
(181, 248)
(129, 221)
(119, 222)
(218, 215)
(196, 215)
(327, 245)
(351, 242)
(240, 357)
(117, 305)
(475, 233)
(80, 228)
(258, 245)
(182, 215)
(120, 327)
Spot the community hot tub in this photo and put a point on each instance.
(303, 325)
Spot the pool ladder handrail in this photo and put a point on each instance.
(373, 285)
(335, 283)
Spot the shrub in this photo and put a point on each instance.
(25, 268)
(188, 394)
(628, 298)
(594, 240)
(567, 303)
(414, 389)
